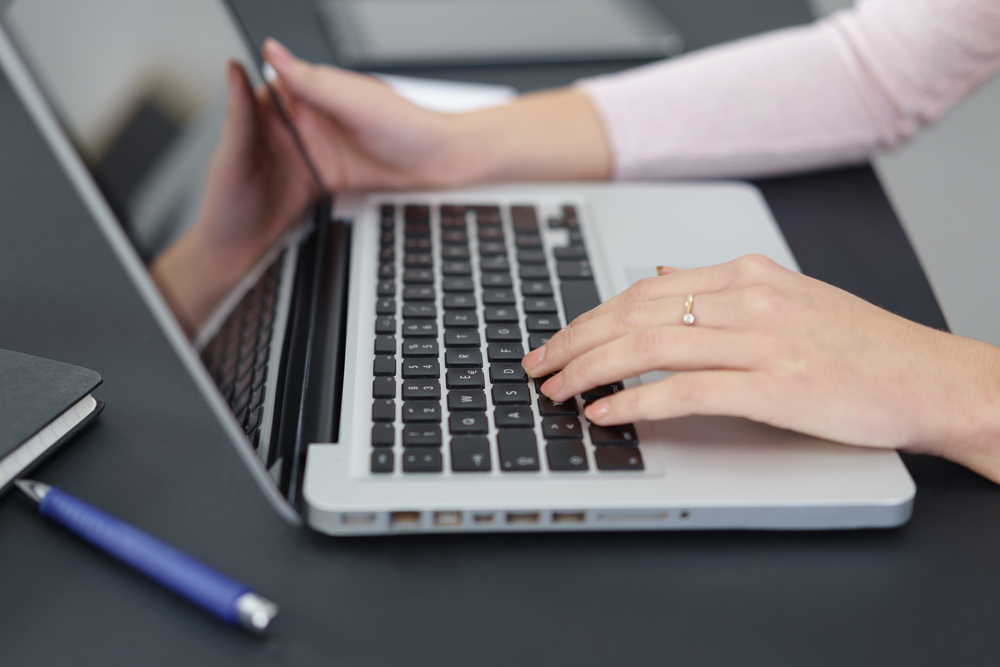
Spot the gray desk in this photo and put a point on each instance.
(925, 594)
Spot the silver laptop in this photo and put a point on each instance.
(368, 369)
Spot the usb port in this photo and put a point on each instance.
(405, 519)
(447, 519)
(358, 518)
(482, 517)
(568, 517)
(522, 517)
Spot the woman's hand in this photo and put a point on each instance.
(777, 347)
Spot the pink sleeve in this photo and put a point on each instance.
(817, 96)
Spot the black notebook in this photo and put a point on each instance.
(42, 404)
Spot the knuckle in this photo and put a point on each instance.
(633, 315)
(764, 301)
(641, 289)
(755, 265)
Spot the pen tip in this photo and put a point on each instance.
(34, 490)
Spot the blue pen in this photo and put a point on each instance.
(219, 595)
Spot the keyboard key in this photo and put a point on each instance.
(570, 252)
(418, 347)
(499, 297)
(540, 381)
(417, 245)
(386, 271)
(459, 301)
(576, 237)
(385, 325)
(602, 391)
(419, 310)
(531, 256)
(458, 285)
(549, 408)
(420, 329)
(456, 269)
(387, 255)
(543, 323)
(533, 272)
(385, 306)
(422, 435)
(421, 368)
(461, 338)
(416, 390)
(387, 239)
(412, 212)
(536, 340)
(613, 435)
(417, 231)
(421, 411)
(466, 378)
(494, 280)
(467, 400)
(463, 358)
(524, 218)
(501, 314)
(529, 241)
(470, 454)
(561, 428)
(513, 417)
(540, 305)
(454, 237)
(385, 344)
(579, 296)
(468, 423)
(418, 260)
(506, 352)
(504, 373)
(503, 333)
(424, 461)
(385, 365)
(382, 461)
(536, 288)
(518, 450)
(384, 387)
(495, 263)
(566, 455)
(511, 394)
(383, 435)
(492, 248)
(490, 233)
(574, 270)
(387, 288)
(461, 318)
(418, 293)
(418, 277)
(384, 411)
(618, 458)
(454, 252)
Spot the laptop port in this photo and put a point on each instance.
(358, 518)
(482, 517)
(568, 517)
(632, 517)
(522, 517)
(405, 519)
(447, 518)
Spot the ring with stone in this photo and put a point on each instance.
(688, 317)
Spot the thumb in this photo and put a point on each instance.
(241, 109)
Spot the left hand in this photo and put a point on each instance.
(777, 347)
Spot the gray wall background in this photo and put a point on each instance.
(945, 186)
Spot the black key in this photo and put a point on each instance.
(419, 310)
(452, 210)
(384, 411)
(417, 245)
(382, 461)
(501, 314)
(418, 293)
(470, 454)
(383, 435)
(418, 347)
(503, 373)
(506, 352)
(492, 248)
(468, 423)
(566, 455)
(574, 270)
(490, 233)
(468, 400)
(454, 237)
(531, 256)
(461, 338)
(618, 458)
(421, 412)
(385, 365)
(613, 435)
(387, 288)
(386, 271)
(458, 285)
(423, 461)
(579, 296)
(540, 305)
(543, 323)
(460, 357)
(550, 408)
(494, 280)
(570, 252)
(421, 368)
(413, 212)
(387, 239)
(418, 260)
(511, 416)
(253, 419)
(466, 378)
(421, 390)
(533, 272)
(418, 277)
(417, 230)
(536, 340)
(503, 333)
(456, 269)
(602, 391)
(385, 344)
(494, 263)
(561, 428)
(518, 450)
(498, 297)
(536, 288)
(459, 301)
(384, 387)
(576, 238)
(420, 329)
(422, 435)
(461, 318)
(511, 394)
(529, 241)
(454, 252)
(524, 219)
(387, 255)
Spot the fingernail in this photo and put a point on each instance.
(532, 359)
(552, 385)
(660, 270)
(598, 410)
(277, 52)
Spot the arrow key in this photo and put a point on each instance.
(561, 428)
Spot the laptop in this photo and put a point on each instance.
(367, 370)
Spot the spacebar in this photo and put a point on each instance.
(578, 297)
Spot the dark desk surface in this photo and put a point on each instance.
(925, 594)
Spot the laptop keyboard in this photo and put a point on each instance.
(237, 356)
(461, 292)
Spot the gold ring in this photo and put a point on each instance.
(688, 317)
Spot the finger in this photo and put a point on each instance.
(732, 393)
(657, 348)
(665, 270)
(241, 108)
